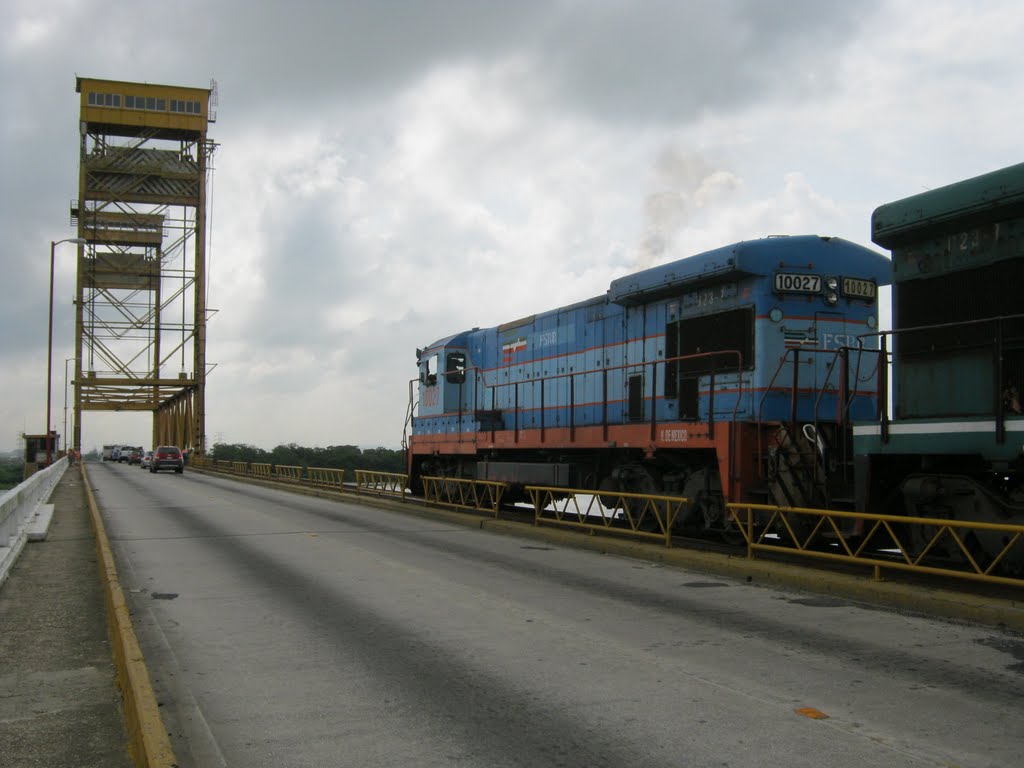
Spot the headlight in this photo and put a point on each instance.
(775, 315)
(872, 322)
(831, 283)
(831, 298)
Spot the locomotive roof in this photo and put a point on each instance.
(751, 257)
(984, 199)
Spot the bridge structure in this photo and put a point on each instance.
(141, 289)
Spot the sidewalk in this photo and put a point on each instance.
(59, 701)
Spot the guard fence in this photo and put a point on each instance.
(366, 481)
(875, 542)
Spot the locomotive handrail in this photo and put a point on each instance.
(481, 385)
(481, 379)
(873, 536)
(998, 347)
(844, 398)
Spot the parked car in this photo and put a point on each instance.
(167, 457)
(147, 460)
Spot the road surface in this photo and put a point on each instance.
(284, 630)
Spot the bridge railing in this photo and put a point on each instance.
(326, 477)
(975, 551)
(381, 483)
(464, 493)
(17, 508)
(643, 515)
(367, 481)
(884, 542)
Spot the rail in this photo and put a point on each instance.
(381, 483)
(642, 515)
(326, 477)
(878, 542)
(18, 506)
(881, 542)
(1000, 346)
(463, 493)
(288, 472)
(480, 386)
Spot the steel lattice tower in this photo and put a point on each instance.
(140, 310)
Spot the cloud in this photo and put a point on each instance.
(390, 173)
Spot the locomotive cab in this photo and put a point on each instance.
(445, 388)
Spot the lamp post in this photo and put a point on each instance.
(49, 347)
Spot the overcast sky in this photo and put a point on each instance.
(391, 172)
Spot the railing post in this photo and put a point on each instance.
(604, 404)
(515, 414)
(711, 403)
(794, 394)
(572, 407)
(883, 388)
(654, 399)
(1000, 411)
(542, 410)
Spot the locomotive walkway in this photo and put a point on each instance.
(59, 702)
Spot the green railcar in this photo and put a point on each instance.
(952, 445)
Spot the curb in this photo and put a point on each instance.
(148, 741)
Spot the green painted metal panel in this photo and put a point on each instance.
(972, 437)
(960, 386)
(965, 205)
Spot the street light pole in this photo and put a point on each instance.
(49, 348)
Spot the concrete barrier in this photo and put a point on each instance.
(25, 515)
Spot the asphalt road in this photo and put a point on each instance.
(283, 630)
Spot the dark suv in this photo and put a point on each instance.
(167, 457)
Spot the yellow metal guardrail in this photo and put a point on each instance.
(632, 514)
(261, 470)
(326, 477)
(287, 472)
(381, 483)
(879, 541)
(464, 493)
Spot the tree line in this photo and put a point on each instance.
(347, 457)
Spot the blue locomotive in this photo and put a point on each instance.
(954, 445)
(731, 375)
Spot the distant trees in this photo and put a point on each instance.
(12, 472)
(348, 457)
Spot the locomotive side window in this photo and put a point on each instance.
(455, 367)
(694, 337)
(429, 372)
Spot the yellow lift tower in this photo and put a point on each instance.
(140, 328)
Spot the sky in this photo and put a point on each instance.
(390, 172)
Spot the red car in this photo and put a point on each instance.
(167, 457)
